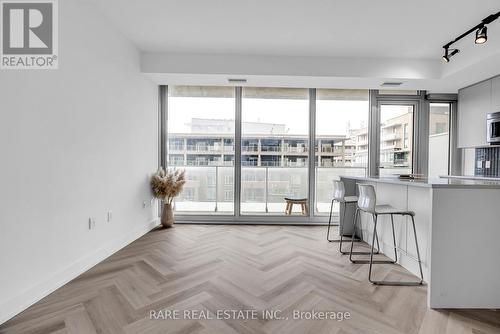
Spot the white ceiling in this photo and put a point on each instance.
(382, 29)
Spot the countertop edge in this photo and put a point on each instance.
(431, 185)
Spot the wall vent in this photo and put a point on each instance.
(391, 84)
(236, 80)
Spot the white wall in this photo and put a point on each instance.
(438, 155)
(74, 143)
(468, 161)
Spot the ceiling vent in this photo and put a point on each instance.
(236, 80)
(391, 84)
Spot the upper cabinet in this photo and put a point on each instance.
(495, 94)
(474, 103)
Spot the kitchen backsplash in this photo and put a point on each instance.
(487, 162)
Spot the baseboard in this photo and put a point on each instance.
(18, 304)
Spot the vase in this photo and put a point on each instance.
(167, 216)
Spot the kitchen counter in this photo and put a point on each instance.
(442, 182)
(458, 225)
(470, 177)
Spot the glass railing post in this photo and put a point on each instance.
(267, 181)
(216, 187)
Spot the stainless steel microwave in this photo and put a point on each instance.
(493, 128)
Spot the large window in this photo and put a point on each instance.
(439, 139)
(201, 130)
(396, 139)
(280, 153)
(274, 148)
(341, 140)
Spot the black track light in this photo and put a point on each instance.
(449, 53)
(481, 35)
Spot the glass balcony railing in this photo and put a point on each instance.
(249, 148)
(271, 149)
(176, 148)
(210, 189)
(295, 149)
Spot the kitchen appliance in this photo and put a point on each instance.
(493, 128)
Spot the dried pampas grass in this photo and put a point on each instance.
(167, 185)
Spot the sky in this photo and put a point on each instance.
(332, 116)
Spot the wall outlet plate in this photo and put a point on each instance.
(109, 216)
(144, 204)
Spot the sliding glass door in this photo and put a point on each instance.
(274, 148)
(396, 138)
(439, 139)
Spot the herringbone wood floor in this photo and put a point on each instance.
(239, 267)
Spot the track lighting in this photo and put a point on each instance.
(481, 35)
(448, 54)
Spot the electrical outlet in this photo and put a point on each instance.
(144, 204)
(109, 216)
(91, 223)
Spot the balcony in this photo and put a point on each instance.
(176, 148)
(209, 189)
(271, 148)
(204, 148)
(251, 148)
(295, 149)
(391, 136)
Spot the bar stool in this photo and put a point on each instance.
(339, 196)
(367, 203)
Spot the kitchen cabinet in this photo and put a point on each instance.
(495, 94)
(474, 103)
(457, 265)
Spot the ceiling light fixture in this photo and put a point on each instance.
(481, 36)
(449, 53)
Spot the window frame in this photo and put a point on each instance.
(419, 152)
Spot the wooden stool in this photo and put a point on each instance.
(291, 201)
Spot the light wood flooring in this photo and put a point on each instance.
(221, 267)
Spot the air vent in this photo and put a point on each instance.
(236, 80)
(391, 84)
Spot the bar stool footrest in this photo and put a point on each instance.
(358, 253)
(396, 283)
(374, 261)
(347, 239)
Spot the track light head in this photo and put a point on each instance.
(481, 35)
(446, 58)
(449, 53)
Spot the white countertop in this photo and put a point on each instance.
(432, 183)
(470, 177)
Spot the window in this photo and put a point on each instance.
(396, 139)
(275, 144)
(201, 141)
(274, 148)
(341, 140)
(439, 139)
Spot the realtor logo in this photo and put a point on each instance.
(29, 34)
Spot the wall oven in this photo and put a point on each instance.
(493, 128)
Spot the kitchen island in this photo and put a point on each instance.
(458, 227)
